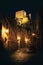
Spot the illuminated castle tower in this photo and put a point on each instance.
(23, 25)
(21, 18)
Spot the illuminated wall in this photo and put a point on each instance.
(20, 14)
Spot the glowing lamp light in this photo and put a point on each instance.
(7, 31)
(27, 40)
(18, 38)
(33, 34)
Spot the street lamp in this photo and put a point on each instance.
(7, 31)
(33, 34)
(18, 40)
(27, 40)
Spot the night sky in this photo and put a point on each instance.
(9, 7)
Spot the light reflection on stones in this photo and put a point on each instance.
(20, 56)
